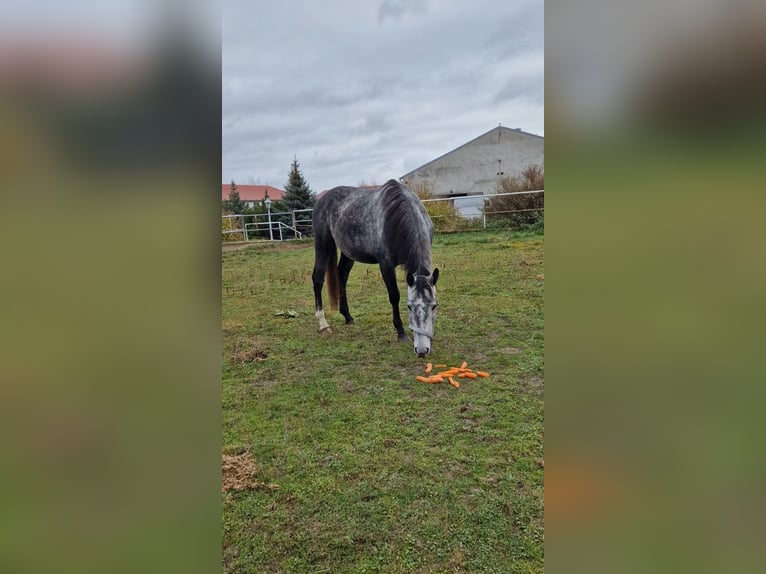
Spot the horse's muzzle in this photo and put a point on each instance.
(422, 341)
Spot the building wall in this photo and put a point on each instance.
(473, 167)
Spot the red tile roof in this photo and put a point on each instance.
(252, 192)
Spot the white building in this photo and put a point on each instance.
(474, 167)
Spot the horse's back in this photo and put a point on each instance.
(331, 198)
(371, 225)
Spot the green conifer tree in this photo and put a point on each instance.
(234, 204)
(298, 194)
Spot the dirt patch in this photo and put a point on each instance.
(238, 472)
(257, 384)
(512, 350)
(230, 327)
(535, 382)
(534, 385)
(249, 355)
(345, 386)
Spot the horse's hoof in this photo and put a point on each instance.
(326, 331)
(402, 337)
(349, 322)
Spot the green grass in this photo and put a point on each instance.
(376, 471)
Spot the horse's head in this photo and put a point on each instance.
(421, 306)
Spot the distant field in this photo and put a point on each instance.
(361, 468)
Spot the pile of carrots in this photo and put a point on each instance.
(461, 372)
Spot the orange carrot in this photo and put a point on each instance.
(422, 379)
(451, 373)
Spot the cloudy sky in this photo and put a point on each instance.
(367, 90)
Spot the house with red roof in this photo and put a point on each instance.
(252, 194)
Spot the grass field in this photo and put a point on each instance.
(359, 467)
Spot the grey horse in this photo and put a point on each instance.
(387, 226)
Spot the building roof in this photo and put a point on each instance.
(252, 192)
(499, 128)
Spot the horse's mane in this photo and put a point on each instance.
(410, 240)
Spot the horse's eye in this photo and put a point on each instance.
(409, 306)
(433, 307)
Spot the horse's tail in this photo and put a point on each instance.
(331, 275)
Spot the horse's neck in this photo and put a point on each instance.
(418, 256)
(420, 263)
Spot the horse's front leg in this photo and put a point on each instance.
(389, 277)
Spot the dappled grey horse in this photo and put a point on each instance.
(387, 226)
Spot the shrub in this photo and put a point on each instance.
(525, 211)
(230, 224)
(442, 213)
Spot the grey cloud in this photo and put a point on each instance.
(291, 99)
(530, 87)
(356, 99)
(396, 9)
(521, 30)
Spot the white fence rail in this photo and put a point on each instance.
(271, 225)
(459, 213)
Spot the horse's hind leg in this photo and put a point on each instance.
(321, 261)
(344, 268)
(389, 277)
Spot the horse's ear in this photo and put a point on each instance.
(434, 276)
(410, 279)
